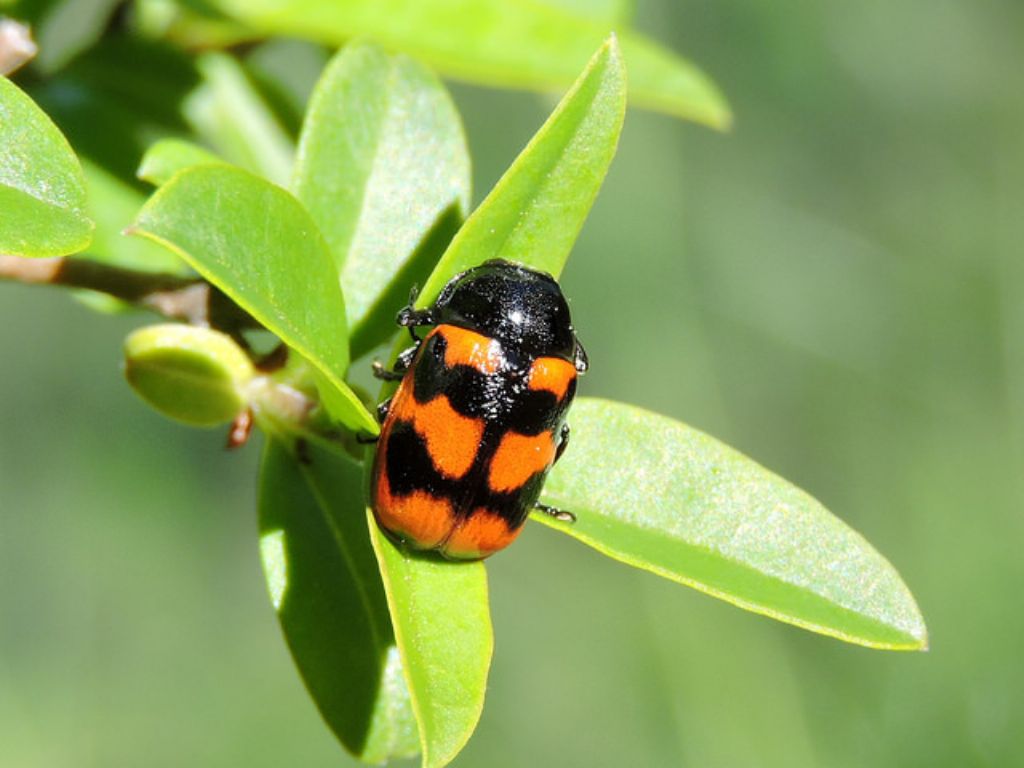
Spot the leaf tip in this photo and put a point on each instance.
(920, 634)
(722, 118)
(916, 628)
(616, 70)
(611, 50)
(715, 113)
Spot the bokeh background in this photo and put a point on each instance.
(835, 288)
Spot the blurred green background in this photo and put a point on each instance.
(835, 288)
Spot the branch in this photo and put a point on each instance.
(190, 299)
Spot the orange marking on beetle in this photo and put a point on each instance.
(551, 374)
(518, 458)
(452, 439)
(481, 534)
(469, 348)
(419, 518)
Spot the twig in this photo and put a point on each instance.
(190, 299)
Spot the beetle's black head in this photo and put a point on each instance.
(522, 308)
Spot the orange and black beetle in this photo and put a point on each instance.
(479, 418)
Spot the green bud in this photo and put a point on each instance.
(191, 374)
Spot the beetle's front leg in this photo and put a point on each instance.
(402, 364)
(411, 318)
(382, 373)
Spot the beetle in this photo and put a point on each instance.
(478, 419)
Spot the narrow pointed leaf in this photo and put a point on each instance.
(257, 244)
(546, 194)
(42, 189)
(663, 81)
(659, 495)
(509, 43)
(64, 29)
(442, 623)
(325, 586)
(535, 212)
(168, 156)
(382, 163)
(230, 114)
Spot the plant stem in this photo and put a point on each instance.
(190, 299)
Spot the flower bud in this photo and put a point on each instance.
(190, 374)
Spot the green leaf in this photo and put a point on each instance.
(228, 112)
(382, 164)
(42, 189)
(659, 495)
(532, 216)
(257, 244)
(512, 43)
(663, 81)
(168, 156)
(440, 615)
(326, 589)
(535, 212)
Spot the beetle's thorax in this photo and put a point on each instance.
(521, 308)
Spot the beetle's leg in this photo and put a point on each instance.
(382, 373)
(402, 363)
(409, 315)
(559, 514)
(383, 409)
(404, 360)
(563, 442)
(411, 318)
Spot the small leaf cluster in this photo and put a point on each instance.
(317, 245)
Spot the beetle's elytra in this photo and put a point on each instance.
(479, 417)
